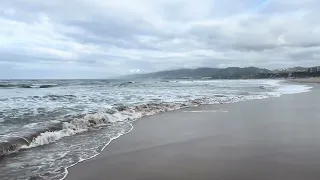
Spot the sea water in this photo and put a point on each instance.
(47, 126)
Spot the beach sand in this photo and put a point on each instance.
(306, 80)
(270, 139)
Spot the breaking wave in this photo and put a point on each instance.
(124, 84)
(69, 126)
(92, 121)
(5, 85)
(82, 124)
(119, 113)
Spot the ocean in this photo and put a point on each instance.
(47, 126)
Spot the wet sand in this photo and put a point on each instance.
(271, 139)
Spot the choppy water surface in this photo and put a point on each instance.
(49, 125)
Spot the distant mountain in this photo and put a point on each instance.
(209, 73)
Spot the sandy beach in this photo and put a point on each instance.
(270, 139)
(306, 80)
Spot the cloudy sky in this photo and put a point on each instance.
(106, 38)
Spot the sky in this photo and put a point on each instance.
(109, 38)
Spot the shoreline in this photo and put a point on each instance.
(306, 80)
(105, 146)
(125, 148)
(59, 168)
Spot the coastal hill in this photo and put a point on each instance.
(210, 73)
(230, 73)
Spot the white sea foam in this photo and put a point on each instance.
(80, 125)
(293, 89)
(49, 137)
(31, 125)
(83, 159)
(76, 126)
(139, 103)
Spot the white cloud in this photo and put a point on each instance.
(100, 37)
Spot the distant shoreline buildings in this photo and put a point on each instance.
(231, 73)
(313, 69)
(298, 72)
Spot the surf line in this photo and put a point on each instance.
(207, 111)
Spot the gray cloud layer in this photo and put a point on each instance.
(104, 38)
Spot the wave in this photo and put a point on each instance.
(15, 86)
(120, 113)
(12, 86)
(88, 122)
(126, 83)
(46, 86)
(85, 123)
(53, 97)
(14, 144)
